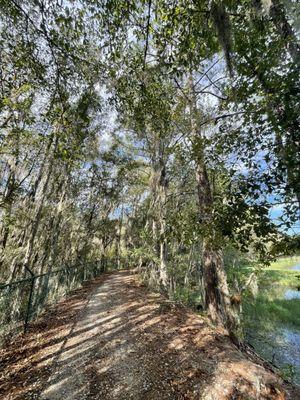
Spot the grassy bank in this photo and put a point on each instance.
(266, 313)
(284, 263)
(286, 278)
(271, 321)
(279, 273)
(270, 307)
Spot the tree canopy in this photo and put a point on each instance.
(164, 131)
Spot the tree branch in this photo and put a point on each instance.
(147, 32)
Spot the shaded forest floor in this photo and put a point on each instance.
(114, 339)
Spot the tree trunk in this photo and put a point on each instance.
(8, 203)
(216, 292)
(284, 29)
(288, 128)
(9, 194)
(288, 150)
(38, 213)
(119, 238)
(158, 207)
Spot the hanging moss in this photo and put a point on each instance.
(222, 24)
(262, 7)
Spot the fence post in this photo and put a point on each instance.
(27, 318)
(84, 271)
(99, 267)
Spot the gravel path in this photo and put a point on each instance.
(104, 355)
(130, 344)
(85, 342)
(115, 340)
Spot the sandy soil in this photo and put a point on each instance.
(116, 340)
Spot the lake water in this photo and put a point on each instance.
(281, 347)
(282, 344)
(296, 267)
(291, 294)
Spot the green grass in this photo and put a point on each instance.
(279, 273)
(284, 263)
(269, 315)
(266, 313)
(270, 308)
(285, 278)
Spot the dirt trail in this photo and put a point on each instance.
(124, 342)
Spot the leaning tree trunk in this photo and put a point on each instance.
(163, 250)
(285, 30)
(8, 199)
(9, 195)
(38, 214)
(286, 151)
(216, 292)
(159, 192)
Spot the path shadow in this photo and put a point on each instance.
(124, 342)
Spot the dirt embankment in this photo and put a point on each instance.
(115, 340)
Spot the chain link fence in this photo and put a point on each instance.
(23, 300)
